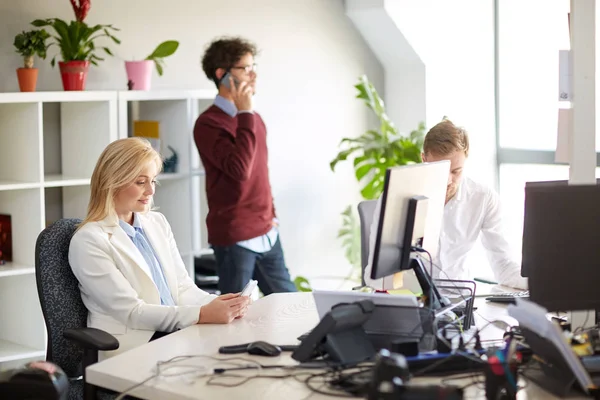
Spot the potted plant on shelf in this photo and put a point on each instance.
(139, 73)
(28, 45)
(77, 43)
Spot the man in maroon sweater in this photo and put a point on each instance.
(232, 141)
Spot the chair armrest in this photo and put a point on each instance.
(92, 338)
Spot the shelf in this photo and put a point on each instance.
(10, 351)
(205, 94)
(57, 97)
(11, 269)
(58, 180)
(171, 176)
(149, 95)
(16, 185)
(50, 143)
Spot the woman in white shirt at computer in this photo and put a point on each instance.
(131, 275)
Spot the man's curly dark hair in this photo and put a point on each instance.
(224, 53)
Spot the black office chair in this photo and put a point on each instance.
(71, 344)
(366, 211)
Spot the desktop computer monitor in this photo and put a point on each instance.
(411, 215)
(532, 186)
(561, 248)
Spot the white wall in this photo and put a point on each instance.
(404, 70)
(456, 44)
(311, 56)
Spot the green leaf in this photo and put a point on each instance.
(349, 235)
(302, 284)
(342, 156)
(41, 22)
(159, 68)
(362, 171)
(165, 49)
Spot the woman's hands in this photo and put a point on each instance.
(224, 309)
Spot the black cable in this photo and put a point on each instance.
(212, 380)
(422, 250)
(259, 366)
(334, 377)
(587, 317)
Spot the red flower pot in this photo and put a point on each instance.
(74, 74)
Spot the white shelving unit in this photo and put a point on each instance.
(49, 145)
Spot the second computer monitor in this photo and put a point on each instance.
(534, 187)
(561, 246)
(427, 180)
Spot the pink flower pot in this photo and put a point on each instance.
(139, 74)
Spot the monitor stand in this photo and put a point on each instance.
(433, 299)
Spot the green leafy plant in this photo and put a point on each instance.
(163, 50)
(372, 154)
(350, 240)
(302, 284)
(76, 40)
(31, 43)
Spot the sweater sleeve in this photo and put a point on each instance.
(232, 155)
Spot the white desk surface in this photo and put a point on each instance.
(278, 319)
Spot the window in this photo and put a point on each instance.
(528, 44)
(512, 194)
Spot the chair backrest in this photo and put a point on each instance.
(59, 294)
(366, 209)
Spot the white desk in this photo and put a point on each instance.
(278, 319)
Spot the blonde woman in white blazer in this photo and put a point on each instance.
(131, 275)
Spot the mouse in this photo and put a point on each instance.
(261, 348)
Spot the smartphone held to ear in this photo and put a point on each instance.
(225, 81)
(250, 286)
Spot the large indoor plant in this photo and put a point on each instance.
(372, 154)
(139, 73)
(77, 43)
(29, 44)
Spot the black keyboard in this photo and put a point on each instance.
(508, 297)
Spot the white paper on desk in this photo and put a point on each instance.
(563, 136)
(533, 317)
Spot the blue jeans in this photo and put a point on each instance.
(236, 265)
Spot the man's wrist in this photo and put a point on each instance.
(246, 112)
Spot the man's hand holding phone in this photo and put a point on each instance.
(241, 92)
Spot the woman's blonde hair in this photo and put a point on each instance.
(119, 165)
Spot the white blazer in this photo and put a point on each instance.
(117, 287)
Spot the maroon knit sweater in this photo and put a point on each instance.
(234, 154)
